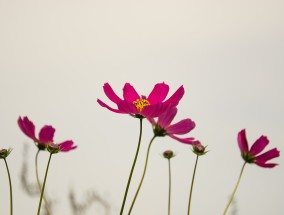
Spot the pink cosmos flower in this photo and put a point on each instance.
(163, 126)
(142, 106)
(45, 135)
(253, 155)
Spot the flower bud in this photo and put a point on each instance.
(168, 154)
(199, 149)
(4, 153)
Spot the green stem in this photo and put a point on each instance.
(191, 187)
(38, 183)
(43, 186)
(170, 185)
(232, 196)
(141, 181)
(132, 168)
(10, 184)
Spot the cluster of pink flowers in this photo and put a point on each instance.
(152, 107)
(159, 111)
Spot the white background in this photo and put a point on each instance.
(56, 55)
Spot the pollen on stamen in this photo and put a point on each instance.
(141, 103)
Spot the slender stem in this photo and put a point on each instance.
(232, 196)
(43, 186)
(191, 187)
(132, 168)
(38, 183)
(10, 184)
(170, 185)
(141, 181)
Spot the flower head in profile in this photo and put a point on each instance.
(45, 135)
(142, 106)
(65, 146)
(163, 126)
(4, 153)
(253, 155)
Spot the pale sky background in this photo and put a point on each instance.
(56, 55)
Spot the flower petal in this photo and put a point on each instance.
(66, 146)
(263, 158)
(127, 107)
(167, 117)
(182, 127)
(259, 145)
(159, 93)
(46, 134)
(152, 121)
(27, 127)
(108, 107)
(266, 165)
(176, 97)
(242, 141)
(155, 110)
(129, 93)
(188, 140)
(110, 93)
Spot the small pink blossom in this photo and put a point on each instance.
(253, 155)
(163, 126)
(142, 106)
(45, 135)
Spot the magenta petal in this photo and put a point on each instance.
(273, 153)
(167, 117)
(182, 127)
(110, 93)
(266, 165)
(152, 121)
(46, 134)
(259, 145)
(108, 107)
(159, 93)
(155, 110)
(242, 141)
(176, 97)
(27, 127)
(188, 140)
(129, 93)
(66, 146)
(127, 107)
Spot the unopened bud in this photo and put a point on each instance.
(168, 154)
(4, 153)
(199, 149)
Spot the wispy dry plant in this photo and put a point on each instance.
(80, 208)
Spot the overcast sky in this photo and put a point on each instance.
(55, 57)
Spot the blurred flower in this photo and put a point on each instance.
(252, 155)
(142, 106)
(168, 154)
(163, 126)
(4, 153)
(45, 135)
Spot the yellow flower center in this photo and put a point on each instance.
(141, 103)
